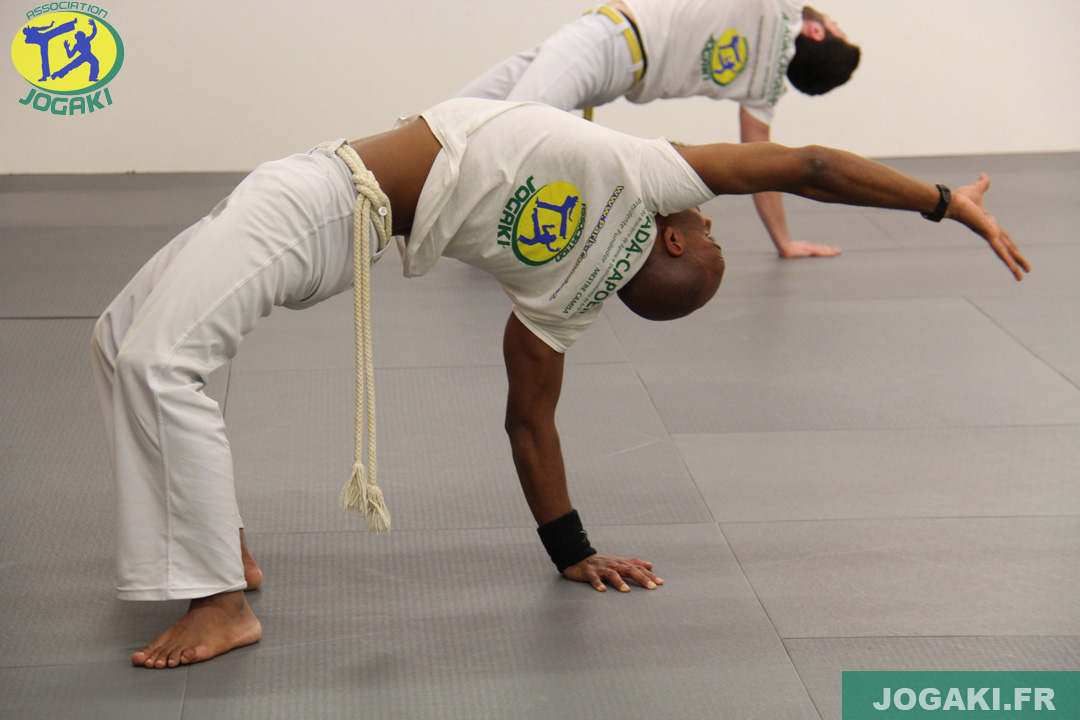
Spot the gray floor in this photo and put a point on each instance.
(865, 463)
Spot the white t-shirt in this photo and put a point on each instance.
(738, 50)
(559, 210)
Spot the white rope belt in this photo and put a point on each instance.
(361, 493)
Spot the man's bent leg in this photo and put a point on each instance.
(586, 63)
(111, 328)
(496, 83)
(284, 238)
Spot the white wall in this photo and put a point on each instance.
(224, 85)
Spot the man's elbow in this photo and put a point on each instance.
(525, 426)
(517, 424)
(815, 161)
(815, 164)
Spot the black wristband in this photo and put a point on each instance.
(565, 540)
(944, 198)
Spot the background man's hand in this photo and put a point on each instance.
(802, 249)
(967, 207)
(598, 568)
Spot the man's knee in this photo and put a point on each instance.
(135, 366)
(103, 344)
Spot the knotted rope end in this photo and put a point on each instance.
(366, 498)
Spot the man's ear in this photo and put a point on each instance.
(814, 30)
(673, 241)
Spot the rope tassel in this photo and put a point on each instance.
(367, 499)
(361, 493)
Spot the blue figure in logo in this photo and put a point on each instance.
(41, 36)
(543, 232)
(82, 54)
(726, 62)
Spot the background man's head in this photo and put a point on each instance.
(824, 59)
(682, 273)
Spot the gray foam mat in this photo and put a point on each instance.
(81, 201)
(474, 625)
(63, 272)
(91, 691)
(1046, 326)
(832, 365)
(943, 472)
(921, 577)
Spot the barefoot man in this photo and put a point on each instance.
(477, 180)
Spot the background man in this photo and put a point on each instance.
(464, 180)
(724, 49)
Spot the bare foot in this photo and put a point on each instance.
(801, 249)
(212, 626)
(252, 573)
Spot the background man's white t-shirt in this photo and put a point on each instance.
(738, 50)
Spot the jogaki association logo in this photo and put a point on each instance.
(542, 225)
(723, 58)
(68, 53)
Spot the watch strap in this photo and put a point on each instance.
(944, 198)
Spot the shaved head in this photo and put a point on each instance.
(683, 270)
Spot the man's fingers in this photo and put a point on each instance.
(980, 187)
(1008, 252)
(616, 580)
(1007, 257)
(642, 578)
(1015, 251)
(603, 570)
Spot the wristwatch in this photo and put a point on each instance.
(944, 198)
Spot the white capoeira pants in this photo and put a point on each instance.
(283, 237)
(587, 63)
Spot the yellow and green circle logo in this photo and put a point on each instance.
(728, 57)
(67, 52)
(549, 223)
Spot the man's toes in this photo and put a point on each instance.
(156, 657)
(176, 656)
(149, 658)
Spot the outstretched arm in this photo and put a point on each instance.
(835, 176)
(535, 371)
(770, 205)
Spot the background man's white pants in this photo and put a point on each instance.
(586, 63)
(283, 237)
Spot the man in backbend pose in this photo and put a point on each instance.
(463, 180)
